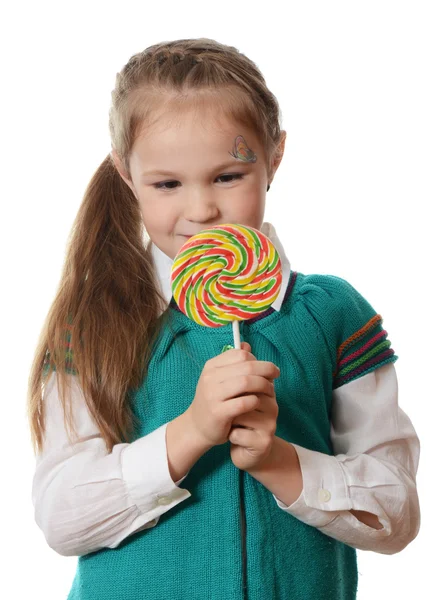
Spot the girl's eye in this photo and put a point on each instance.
(161, 186)
(232, 175)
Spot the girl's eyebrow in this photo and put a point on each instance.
(234, 163)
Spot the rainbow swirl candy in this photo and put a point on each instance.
(226, 273)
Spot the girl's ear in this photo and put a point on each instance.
(280, 150)
(277, 159)
(119, 166)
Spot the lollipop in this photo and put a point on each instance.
(228, 273)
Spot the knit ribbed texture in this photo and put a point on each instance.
(324, 328)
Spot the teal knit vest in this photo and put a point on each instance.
(324, 335)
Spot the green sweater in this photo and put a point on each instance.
(230, 540)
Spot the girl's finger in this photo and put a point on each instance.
(243, 437)
(223, 358)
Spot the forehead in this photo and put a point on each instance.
(192, 133)
(201, 126)
(186, 127)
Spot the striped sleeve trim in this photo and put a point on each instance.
(373, 350)
(376, 320)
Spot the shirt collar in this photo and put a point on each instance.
(163, 265)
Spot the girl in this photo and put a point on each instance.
(173, 469)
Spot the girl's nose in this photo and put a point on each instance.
(200, 207)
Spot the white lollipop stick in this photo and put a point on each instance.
(236, 335)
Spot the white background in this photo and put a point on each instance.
(348, 198)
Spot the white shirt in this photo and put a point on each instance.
(86, 499)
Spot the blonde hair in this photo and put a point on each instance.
(104, 320)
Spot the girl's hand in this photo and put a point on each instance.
(252, 445)
(230, 385)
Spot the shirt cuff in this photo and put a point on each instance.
(146, 473)
(325, 493)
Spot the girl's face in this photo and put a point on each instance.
(190, 172)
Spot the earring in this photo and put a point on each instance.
(268, 187)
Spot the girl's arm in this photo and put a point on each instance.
(85, 499)
(373, 471)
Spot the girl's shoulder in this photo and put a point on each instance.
(351, 326)
(331, 296)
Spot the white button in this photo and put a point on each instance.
(324, 495)
(164, 500)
